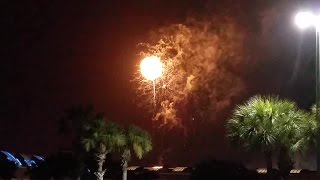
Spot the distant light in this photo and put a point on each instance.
(295, 171)
(151, 68)
(154, 168)
(39, 157)
(305, 19)
(30, 163)
(262, 171)
(11, 158)
(157, 167)
(178, 169)
(132, 168)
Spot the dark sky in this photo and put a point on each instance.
(56, 54)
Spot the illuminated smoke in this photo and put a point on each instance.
(201, 59)
(214, 62)
(208, 62)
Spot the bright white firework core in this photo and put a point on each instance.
(151, 68)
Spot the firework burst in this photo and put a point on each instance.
(199, 60)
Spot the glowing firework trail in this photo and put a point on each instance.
(151, 68)
(154, 92)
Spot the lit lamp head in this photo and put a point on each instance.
(306, 19)
(151, 68)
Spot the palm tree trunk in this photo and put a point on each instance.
(268, 158)
(124, 170)
(285, 163)
(126, 156)
(101, 157)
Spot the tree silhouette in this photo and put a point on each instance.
(101, 138)
(57, 166)
(138, 142)
(7, 169)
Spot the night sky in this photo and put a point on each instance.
(57, 54)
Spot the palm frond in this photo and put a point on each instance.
(263, 123)
(139, 141)
(101, 135)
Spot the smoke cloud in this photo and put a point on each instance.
(216, 59)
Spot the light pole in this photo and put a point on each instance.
(304, 20)
(151, 69)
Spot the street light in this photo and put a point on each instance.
(151, 69)
(304, 20)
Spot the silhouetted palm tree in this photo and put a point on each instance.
(139, 142)
(310, 137)
(72, 123)
(58, 166)
(7, 169)
(102, 137)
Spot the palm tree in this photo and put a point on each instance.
(7, 169)
(73, 123)
(309, 139)
(289, 131)
(102, 137)
(74, 118)
(263, 124)
(138, 141)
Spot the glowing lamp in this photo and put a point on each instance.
(305, 19)
(151, 68)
